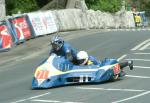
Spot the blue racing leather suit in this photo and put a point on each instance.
(66, 50)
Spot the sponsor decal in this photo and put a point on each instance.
(116, 69)
(42, 74)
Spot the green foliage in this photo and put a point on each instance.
(104, 5)
(141, 5)
(15, 6)
(144, 5)
(42, 3)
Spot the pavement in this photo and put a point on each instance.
(16, 75)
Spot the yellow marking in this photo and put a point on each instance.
(89, 62)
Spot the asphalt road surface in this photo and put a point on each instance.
(17, 67)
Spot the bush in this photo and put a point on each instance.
(104, 5)
(15, 6)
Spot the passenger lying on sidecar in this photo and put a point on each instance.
(84, 59)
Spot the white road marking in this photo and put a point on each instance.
(140, 45)
(52, 101)
(141, 67)
(22, 100)
(145, 46)
(141, 53)
(135, 76)
(136, 96)
(111, 89)
(48, 101)
(122, 57)
(147, 60)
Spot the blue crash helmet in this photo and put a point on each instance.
(57, 43)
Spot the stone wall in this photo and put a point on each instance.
(3, 10)
(75, 19)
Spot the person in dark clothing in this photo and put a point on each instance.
(62, 48)
(125, 64)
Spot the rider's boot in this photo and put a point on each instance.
(130, 64)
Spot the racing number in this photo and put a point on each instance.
(83, 78)
(116, 69)
(42, 74)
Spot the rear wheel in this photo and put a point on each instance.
(114, 78)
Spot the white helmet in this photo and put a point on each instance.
(82, 57)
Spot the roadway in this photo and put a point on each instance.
(17, 67)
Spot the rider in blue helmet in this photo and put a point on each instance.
(62, 48)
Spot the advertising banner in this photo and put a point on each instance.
(5, 37)
(21, 28)
(42, 23)
(49, 22)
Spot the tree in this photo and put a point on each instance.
(104, 5)
(42, 3)
(145, 5)
(15, 6)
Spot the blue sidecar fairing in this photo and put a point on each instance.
(57, 71)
